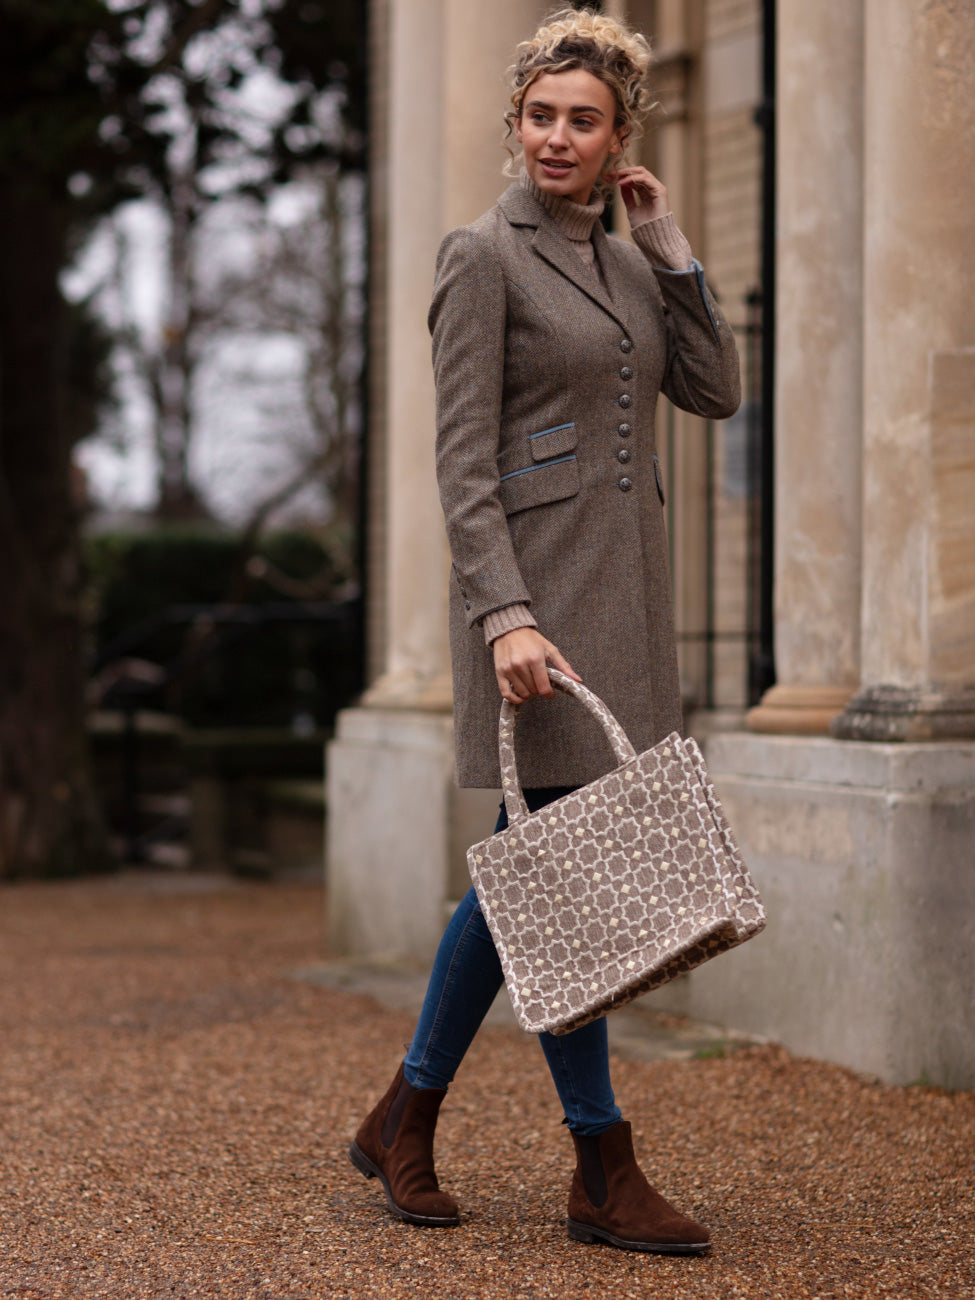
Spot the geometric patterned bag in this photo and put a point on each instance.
(614, 889)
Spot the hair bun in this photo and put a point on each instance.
(605, 46)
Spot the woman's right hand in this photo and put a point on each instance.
(520, 658)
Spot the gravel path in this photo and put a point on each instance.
(175, 1111)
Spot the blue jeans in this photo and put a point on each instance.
(466, 977)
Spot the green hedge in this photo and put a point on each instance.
(266, 677)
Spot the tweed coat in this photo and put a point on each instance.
(546, 391)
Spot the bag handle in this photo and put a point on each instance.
(514, 799)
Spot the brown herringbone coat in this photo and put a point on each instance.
(543, 382)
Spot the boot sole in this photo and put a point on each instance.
(370, 1170)
(587, 1233)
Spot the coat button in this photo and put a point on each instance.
(623, 455)
(624, 431)
(626, 346)
(625, 485)
(625, 400)
(467, 604)
(626, 372)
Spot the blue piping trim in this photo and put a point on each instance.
(554, 429)
(541, 465)
(698, 270)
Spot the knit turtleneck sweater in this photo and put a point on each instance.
(662, 244)
(575, 220)
(658, 238)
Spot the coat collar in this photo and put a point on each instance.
(523, 209)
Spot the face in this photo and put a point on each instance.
(567, 131)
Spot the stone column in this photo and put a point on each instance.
(397, 827)
(918, 614)
(673, 148)
(416, 660)
(863, 850)
(818, 412)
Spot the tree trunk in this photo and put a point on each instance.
(177, 497)
(49, 819)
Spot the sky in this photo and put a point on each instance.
(251, 422)
(270, 278)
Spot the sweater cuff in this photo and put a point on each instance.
(660, 240)
(507, 619)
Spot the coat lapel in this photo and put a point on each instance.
(612, 264)
(558, 252)
(522, 210)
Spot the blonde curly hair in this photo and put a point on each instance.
(603, 46)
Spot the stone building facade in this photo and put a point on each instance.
(851, 782)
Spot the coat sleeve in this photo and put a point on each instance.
(702, 374)
(467, 321)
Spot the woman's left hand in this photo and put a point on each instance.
(642, 192)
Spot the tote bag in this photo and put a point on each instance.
(614, 889)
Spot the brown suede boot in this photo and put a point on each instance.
(611, 1201)
(395, 1145)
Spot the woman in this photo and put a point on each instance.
(551, 343)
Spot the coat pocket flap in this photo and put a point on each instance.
(553, 442)
(539, 484)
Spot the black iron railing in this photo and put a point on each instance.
(746, 462)
(124, 682)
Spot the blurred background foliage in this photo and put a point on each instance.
(183, 104)
(281, 672)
